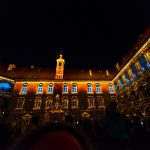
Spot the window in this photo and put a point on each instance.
(91, 102)
(50, 88)
(144, 64)
(65, 88)
(113, 98)
(40, 88)
(74, 102)
(48, 102)
(65, 102)
(37, 103)
(111, 88)
(60, 64)
(98, 90)
(24, 88)
(74, 88)
(20, 103)
(100, 100)
(122, 83)
(127, 78)
(134, 72)
(116, 86)
(89, 88)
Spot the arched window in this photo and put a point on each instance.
(134, 72)
(89, 88)
(91, 102)
(110, 88)
(74, 102)
(116, 86)
(24, 88)
(98, 90)
(37, 103)
(65, 102)
(74, 88)
(20, 103)
(100, 100)
(143, 63)
(50, 88)
(40, 88)
(48, 102)
(65, 88)
(122, 83)
(127, 78)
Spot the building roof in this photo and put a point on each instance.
(88, 75)
(49, 74)
(32, 74)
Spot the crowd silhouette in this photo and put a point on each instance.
(113, 131)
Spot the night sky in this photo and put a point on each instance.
(92, 35)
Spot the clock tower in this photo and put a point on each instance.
(60, 67)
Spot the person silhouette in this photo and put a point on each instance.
(114, 126)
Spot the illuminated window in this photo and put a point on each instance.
(37, 103)
(134, 72)
(48, 102)
(122, 83)
(116, 86)
(20, 103)
(98, 90)
(74, 102)
(65, 90)
(24, 88)
(100, 100)
(40, 88)
(143, 63)
(89, 88)
(50, 88)
(74, 88)
(91, 102)
(111, 88)
(127, 78)
(65, 102)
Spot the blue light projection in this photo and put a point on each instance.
(134, 72)
(116, 86)
(127, 78)
(144, 64)
(6, 86)
(121, 81)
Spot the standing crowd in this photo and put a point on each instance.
(114, 131)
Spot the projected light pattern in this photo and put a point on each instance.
(5, 86)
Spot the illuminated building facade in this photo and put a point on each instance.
(53, 93)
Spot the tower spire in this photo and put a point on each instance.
(61, 55)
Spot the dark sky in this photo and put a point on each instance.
(92, 35)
